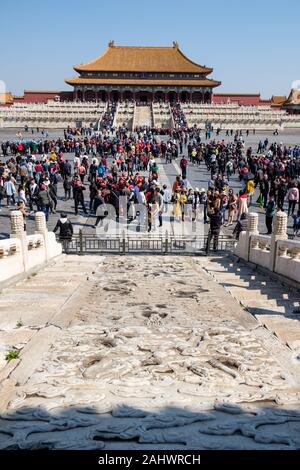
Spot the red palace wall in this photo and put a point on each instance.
(241, 99)
(43, 96)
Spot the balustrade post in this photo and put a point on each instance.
(252, 229)
(80, 243)
(17, 231)
(279, 233)
(296, 254)
(166, 242)
(41, 228)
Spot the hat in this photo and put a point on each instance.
(63, 215)
(203, 190)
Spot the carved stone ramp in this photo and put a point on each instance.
(149, 353)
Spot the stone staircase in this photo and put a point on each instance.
(124, 115)
(142, 117)
(162, 115)
(275, 305)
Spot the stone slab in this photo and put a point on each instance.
(31, 355)
(287, 330)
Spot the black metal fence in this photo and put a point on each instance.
(83, 244)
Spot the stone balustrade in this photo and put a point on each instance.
(287, 261)
(11, 259)
(9, 247)
(22, 253)
(275, 252)
(260, 248)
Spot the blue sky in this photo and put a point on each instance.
(252, 45)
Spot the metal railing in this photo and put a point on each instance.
(83, 244)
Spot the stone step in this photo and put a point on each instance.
(273, 304)
(286, 329)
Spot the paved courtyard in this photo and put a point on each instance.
(197, 177)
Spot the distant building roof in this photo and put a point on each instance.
(142, 59)
(293, 99)
(278, 100)
(6, 98)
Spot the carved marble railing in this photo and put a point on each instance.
(9, 247)
(287, 261)
(11, 260)
(22, 253)
(274, 252)
(260, 248)
(35, 241)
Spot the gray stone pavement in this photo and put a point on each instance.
(197, 176)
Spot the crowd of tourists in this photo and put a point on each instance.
(112, 164)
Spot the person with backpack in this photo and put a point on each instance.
(215, 228)
(65, 227)
(44, 201)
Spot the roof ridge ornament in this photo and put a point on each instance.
(111, 43)
(175, 45)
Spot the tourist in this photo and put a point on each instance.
(232, 207)
(242, 204)
(22, 208)
(160, 202)
(215, 218)
(167, 197)
(183, 166)
(21, 194)
(65, 227)
(241, 226)
(296, 225)
(183, 203)
(33, 191)
(142, 203)
(270, 213)
(78, 194)
(44, 201)
(281, 193)
(293, 198)
(10, 191)
(98, 207)
(67, 185)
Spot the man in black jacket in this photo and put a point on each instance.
(214, 232)
(65, 231)
(99, 201)
(78, 189)
(65, 228)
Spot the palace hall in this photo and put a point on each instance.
(143, 74)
